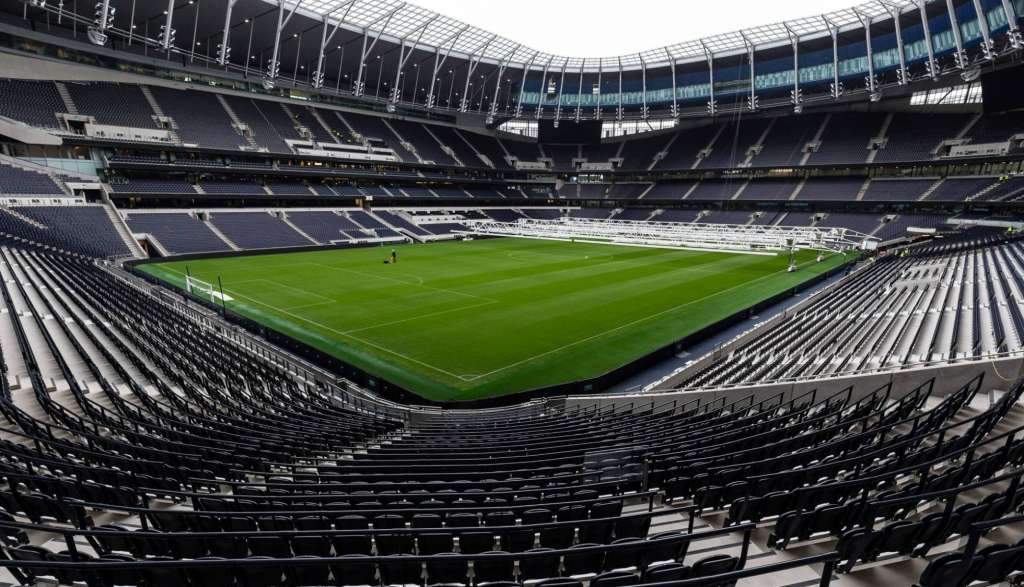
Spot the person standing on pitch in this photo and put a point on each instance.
(394, 256)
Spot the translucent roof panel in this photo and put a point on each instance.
(396, 21)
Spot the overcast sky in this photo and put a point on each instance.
(604, 28)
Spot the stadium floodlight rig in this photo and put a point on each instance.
(731, 238)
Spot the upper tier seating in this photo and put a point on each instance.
(521, 149)
(784, 145)
(730, 148)
(426, 145)
(199, 116)
(372, 127)
(304, 116)
(562, 156)
(33, 102)
(846, 138)
(638, 153)
(250, 112)
(117, 104)
(453, 140)
(488, 146)
(682, 152)
(996, 128)
(915, 137)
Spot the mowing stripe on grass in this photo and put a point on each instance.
(468, 320)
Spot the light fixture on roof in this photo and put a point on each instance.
(970, 75)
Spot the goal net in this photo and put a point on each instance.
(201, 288)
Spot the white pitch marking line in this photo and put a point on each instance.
(313, 305)
(291, 287)
(402, 281)
(362, 340)
(339, 332)
(418, 316)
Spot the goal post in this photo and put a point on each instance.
(193, 285)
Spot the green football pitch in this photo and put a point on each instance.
(483, 318)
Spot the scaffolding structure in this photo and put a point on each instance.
(731, 238)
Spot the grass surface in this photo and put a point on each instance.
(469, 320)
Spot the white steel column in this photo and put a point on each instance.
(932, 65)
(274, 66)
(439, 62)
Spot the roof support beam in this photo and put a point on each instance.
(960, 56)
(902, 75)
(597, 105)
(474, 63)
(224, 51)
(274, 66)
(579, 92)
(986, 34)
(710, 57)
(643, 87)
(932, 66)
(522, 85)
(1013, 34)
(543, 89)
(751, 50)
(403, 57)
(675, 100)
(558, 95)
(837, 86)
(618, 109)
(167, 34)
(795, 95)
(872, 81)
(325, 37)
(439, 62)
(493, 110)
(366, 50)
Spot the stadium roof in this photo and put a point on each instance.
(395, 21)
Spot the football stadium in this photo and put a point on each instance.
(373, 293)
